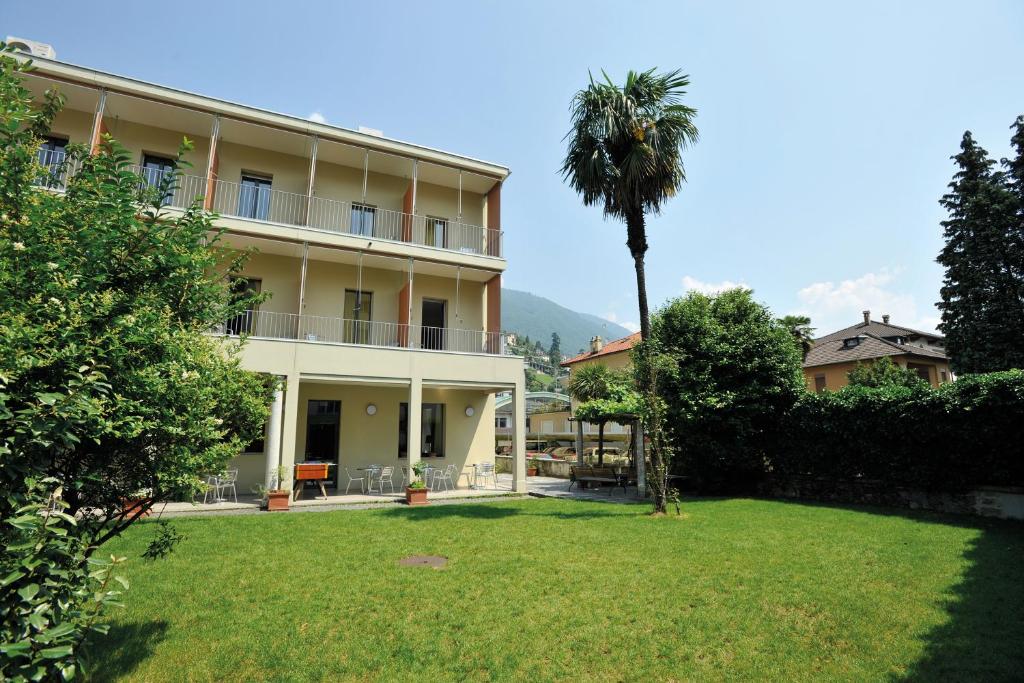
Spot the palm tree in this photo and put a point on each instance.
(625, 153)
(800, 327)
(590, 383)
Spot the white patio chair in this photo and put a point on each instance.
(443, 478)
(210, 487)
(385, 476)
(361, 480)
(485, 471)
(227, 481)
(373, 474)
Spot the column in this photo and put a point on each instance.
(519, 437)
(579, 442)
(290, 432)
(494, 221)
(312, 180)
(640, 458)
(212, 162)
(414, 439)
(493, 293)
(99, 128)
(273, 445)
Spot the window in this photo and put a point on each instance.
(819, 383)
(358, 310)
(923, 371)
(51, 155)
(254, 197)
(154, 170)
(243, 288)
(943, 377)
(437, 232)
(258, 445)
(431, 430)
(501, 421)
(363, 219)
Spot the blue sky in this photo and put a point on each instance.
(826, 128)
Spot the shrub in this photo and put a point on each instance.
(963, 434)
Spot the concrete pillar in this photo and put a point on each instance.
(415, 422)
(519, 437)
(579, 442)
(493, 293)
(289, 434)
(640, 458)
(493, 232)
(273, 443)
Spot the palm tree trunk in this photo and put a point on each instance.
(658, 479)
(600, 443)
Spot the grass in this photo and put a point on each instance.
(572, 590)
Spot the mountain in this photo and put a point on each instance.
(537, 317)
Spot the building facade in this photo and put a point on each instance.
(833, 356)
(382, 261)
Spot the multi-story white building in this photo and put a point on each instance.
(383, 261)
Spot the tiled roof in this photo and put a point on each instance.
(828, 350)
(879, 330)
(624, 344)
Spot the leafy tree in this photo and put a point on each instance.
(603, 395)
(625, 154)
(983, 289)
(735, 371)
(110, 388)
(799, 327)
(883, 373)
(555, 351)
(533, 380)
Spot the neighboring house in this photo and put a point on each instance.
(833, 356)
(547, 420)
(615, 355)
(383, 259)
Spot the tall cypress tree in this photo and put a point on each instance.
(983, 289)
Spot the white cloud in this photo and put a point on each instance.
(317, 117)
(692, 284)
(628, 324)
(833, 305)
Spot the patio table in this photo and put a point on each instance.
(371, 472)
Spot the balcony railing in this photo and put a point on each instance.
(275, 206)
(319, 329)
(57, 168)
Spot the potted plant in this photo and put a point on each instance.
(416, 491)
(533, 467)
(131, 504)
(277, 498)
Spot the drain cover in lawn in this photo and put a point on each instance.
(435, 561)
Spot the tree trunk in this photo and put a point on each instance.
(600, 443)
(658, 480)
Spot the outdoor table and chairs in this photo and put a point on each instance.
(482, 471)
(219, 484)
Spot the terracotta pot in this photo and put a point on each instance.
(531, 471)
(415, 496)
(278, 500)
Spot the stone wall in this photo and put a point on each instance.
(1001, 502)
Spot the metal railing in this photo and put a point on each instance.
(262, 203)
(320, 329)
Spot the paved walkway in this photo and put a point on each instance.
(540, 487)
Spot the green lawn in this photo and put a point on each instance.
(545, 589)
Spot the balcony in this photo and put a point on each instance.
(324, 330)
(266, 205)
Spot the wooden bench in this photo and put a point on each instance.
(584, 475)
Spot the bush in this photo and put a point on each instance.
(964, 434)
(734, 371)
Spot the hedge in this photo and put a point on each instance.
(963, 434)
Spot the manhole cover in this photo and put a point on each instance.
(435, 561)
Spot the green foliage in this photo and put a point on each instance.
(418, 468)
(736, 369)
(983, 288)
(52, 592)
(555, 351)
(110, 388)
(965, 433)
(883, 373)
(603, 394)
(167, 537)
